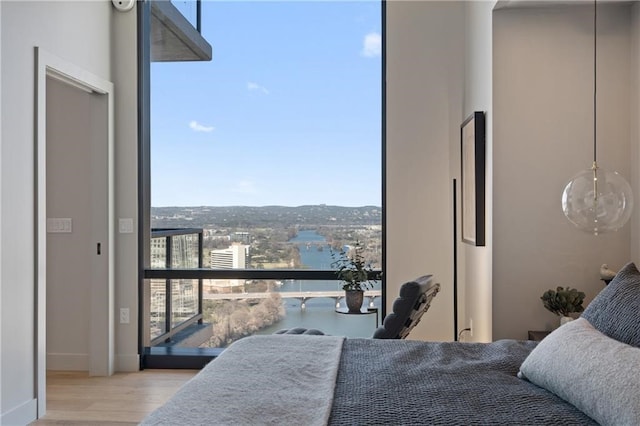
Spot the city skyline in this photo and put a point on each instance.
(288, 112)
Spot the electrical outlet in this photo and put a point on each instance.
(471, 327)
(124, 315)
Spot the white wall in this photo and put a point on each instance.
(124, 44)
(474, 270)
(79, 33)
(635, 129)
(424, 76)
(542, 136)
(85, 43)
(1, 233)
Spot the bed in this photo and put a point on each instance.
(585, 372)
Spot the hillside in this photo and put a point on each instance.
(267, 216)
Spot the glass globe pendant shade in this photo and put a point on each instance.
(597, 201)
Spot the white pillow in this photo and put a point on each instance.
(597, 374)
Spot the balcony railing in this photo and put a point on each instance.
(174, 304)
(174, 291)
(190, 9)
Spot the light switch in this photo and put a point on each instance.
(125, 225)
(59, 225)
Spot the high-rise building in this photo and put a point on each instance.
(235, 256)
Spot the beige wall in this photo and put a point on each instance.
(542, 136)
(69, 196)
(424, 75)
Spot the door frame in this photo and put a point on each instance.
(101, 362)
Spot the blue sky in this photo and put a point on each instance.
(288, 112)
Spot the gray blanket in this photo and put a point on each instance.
(400, 382)
(260, 380)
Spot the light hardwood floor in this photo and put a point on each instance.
(74, 398)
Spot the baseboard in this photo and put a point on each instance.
(68, 362)
(80, 362)
(179, 357)
(127, 363)
(21, 415)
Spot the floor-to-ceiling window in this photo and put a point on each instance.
(267, 157)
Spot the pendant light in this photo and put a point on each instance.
(597, 200)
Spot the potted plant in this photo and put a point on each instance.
(353, 270)
(563, 302)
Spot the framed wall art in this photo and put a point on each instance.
(472, 191)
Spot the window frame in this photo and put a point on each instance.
(145, 272)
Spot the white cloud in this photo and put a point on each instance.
(245, 187)
(372, 45)
(197, 127)
(255, 86)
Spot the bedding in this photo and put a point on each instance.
(377, 382)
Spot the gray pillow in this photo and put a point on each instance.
(596, 374)
(616, 310)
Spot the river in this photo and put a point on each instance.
(320, 312)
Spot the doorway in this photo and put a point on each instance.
(74, 221)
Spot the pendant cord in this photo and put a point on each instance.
(595, 77)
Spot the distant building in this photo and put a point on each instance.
(184, 295)
(184, 252)
(241, 236)
(158, 253)
(234, 257)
